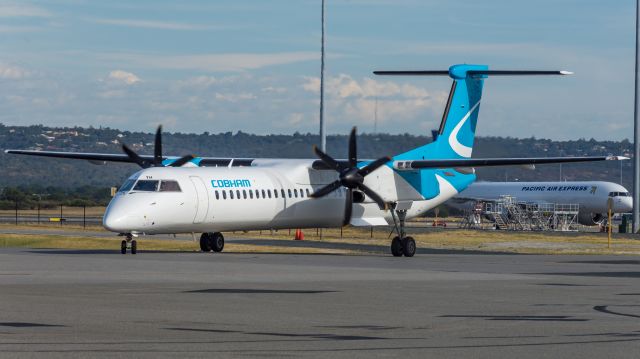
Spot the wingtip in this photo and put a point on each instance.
(563, 72)
(617, 158)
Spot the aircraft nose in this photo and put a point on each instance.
(116, 218)
(623, 205)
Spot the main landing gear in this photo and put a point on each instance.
(212, 241)
(401, 244)
(129, 243)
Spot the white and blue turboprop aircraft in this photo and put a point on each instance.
(211, 195)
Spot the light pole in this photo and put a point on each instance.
(636, 136)
(323, 128)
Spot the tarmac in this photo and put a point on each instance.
(79, 303)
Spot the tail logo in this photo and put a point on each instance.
(459, 148)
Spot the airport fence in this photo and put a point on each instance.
(53, 214)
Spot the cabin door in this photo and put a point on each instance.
(202, 199)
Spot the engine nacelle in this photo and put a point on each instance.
(591, 219)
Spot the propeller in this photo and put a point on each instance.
(350, 176)
(157, 154)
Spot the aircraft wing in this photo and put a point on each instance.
(121, 157)
(486, 162)
(399, 165)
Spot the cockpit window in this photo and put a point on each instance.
(169, 186)
(619, 194)
(146, 186)
(127, 185)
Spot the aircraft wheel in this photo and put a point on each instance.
(408, 247)
(396, 247)
(217, 242)
(123, 247)
(134, 247)
(204, 242)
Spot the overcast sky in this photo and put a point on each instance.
(254, 66)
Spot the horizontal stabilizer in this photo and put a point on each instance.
(486, 162)
(473, 72)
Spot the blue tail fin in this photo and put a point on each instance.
(454, 138)
(457, 130)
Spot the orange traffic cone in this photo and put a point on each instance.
(301, 235)
(297, 236)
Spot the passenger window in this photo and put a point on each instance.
(217, 195)
(257, 193)
(263, 194)
(251, 193)
(289, 192)
(269, 193)
(295, 192)
(231, 194)
(275, 193)
(308, 193)
(169, 186)
(244, 193)
(224, 194)
(238, 194)
(282, 192)
(146, 186)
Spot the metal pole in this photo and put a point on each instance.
(636, 135)
(620, 172)
(375, 116)
(323, 128)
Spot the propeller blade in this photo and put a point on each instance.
(157, 148)
(182, 161)
(328, 160)
(353, 150)
(348, 209)
(374, 196)
(373, 166)
(326, 189)
(134, 156)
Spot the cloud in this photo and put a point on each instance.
(295, 118)
(212, 62)
(271, 89)
(152, 24)
(17, 9)
(344, 86)
(13, 72)
(123, 77)
(230, 97)
(360, 100)
(13, 29)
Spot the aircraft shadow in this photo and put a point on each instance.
(371, 248)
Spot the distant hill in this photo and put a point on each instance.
(22, 170)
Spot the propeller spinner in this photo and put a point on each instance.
(351, 177)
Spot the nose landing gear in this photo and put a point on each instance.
(128, 243)
(211, 241)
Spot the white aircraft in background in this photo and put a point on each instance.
(211, 195)
(591, 196)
